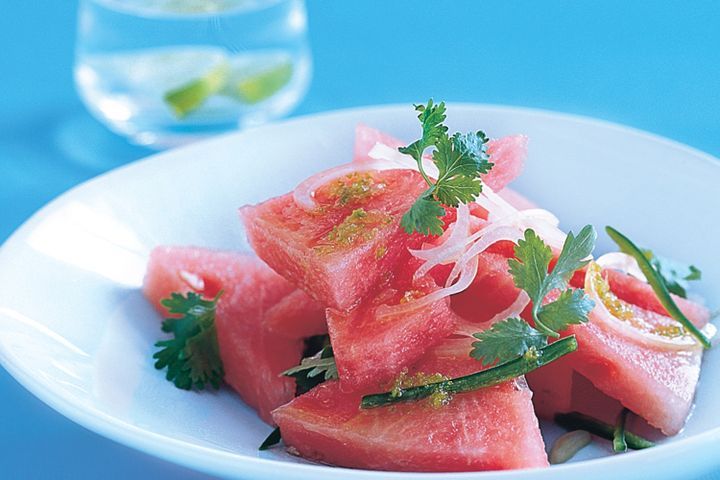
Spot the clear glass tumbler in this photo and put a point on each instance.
(168, 72)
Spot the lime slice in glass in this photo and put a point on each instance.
(262, 84)
(190, 96)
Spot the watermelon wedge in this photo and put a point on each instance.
(296, 315)
(342, 249)
(373, 346)
(253, 356)
(654, 380)
(489, 429)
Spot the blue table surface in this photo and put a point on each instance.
(654, 65)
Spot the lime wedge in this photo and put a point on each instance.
(262, 85)
(187, 98)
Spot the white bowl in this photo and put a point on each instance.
(76, 331)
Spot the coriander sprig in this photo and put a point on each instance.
(657, 283)
(314, 370)
(192, 356)
(498, 374)
(460, 159)
(530, 270)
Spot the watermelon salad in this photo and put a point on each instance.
(409, 311)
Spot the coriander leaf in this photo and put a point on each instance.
(530, 269)
(424, 216)
(572, 307)
(314, 370)
(431, 117)
(458, 190)
(574, 255)
(506, 340)
(192, 356)
(676, 274)
(460, 159)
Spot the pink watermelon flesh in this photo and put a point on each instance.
(296, 316)
(507, 154)
(488, 429)
(367, 137)
(304, 248)
(492, 291)
(371, 349)
(253, 357)
(657, 384)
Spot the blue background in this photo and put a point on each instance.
(654, 65)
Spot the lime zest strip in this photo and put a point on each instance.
(657, 283)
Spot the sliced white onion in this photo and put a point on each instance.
(304, 194)
(491, 234)
(623, 262)
(451, 247)
(392, 155)
(601, 315)
(466, 278)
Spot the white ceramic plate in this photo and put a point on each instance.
(75, 330)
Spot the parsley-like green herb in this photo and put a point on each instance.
(676, 274)
(192, 356)
(513, 337)
(657, 282)
(314, 370)
(460, 159)
(579, 421)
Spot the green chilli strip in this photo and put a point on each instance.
(578, 421)
(619, 441)
(657, 283)
(272, 439)
(530, 361)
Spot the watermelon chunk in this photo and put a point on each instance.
(365, 139)
(371, 349)
(340, 251)
(297, 315)
(253, 356)
(488, 429)
(656, 383)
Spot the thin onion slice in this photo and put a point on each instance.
(450, 249)
(491, 234)
(600, 314)
(466, 278)
(622, 262)
(385, 153)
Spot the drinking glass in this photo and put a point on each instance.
(167, 72)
